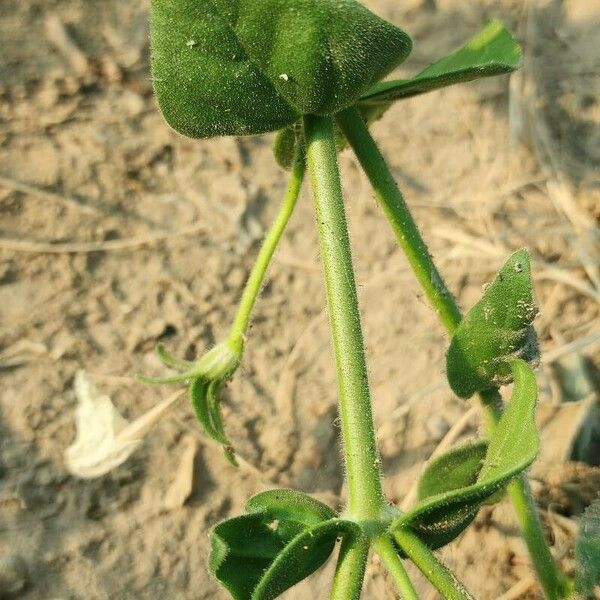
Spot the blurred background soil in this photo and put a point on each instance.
(116, 233)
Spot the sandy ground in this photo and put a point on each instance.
(116, 233)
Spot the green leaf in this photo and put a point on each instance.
(286, 504)
(284, 147)
(302, 556)
(495, 332)
(587, 550)
(453, 470)
(241, 67)
(242, 548)
(285, 537)
(493, 51)
(206, 403)
(439, 518)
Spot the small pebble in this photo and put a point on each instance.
(14, 575)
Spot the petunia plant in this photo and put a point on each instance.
(313, 72)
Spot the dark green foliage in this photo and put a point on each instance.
(587, 550)
(495, 331)
(438, 519)
(285, 538)
(241, 67)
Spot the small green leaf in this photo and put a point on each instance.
(302, 557)
(170, 360)
(206, 405)
(284, 147)
(493, 51)
(587, 550)
(495, 332)
(286, 504)
(455, 469)
(285, 537)
(242, 67)
(242, 549)
(438, 519)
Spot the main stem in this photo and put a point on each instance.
(257, 275)
(554, 583)
(365, 496)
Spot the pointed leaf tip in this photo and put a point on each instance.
(495, 331)
(492, 51)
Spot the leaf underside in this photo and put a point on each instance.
(243, 67)
(495, 331)
(283, 539)
(439, 518)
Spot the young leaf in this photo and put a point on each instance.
(455, 469)
(302, 557)
(286, 504)
(242, 549)
(285, 537)
(587, 550)
(493, 51)
(438, 519)
(284, 147)
(241, 67)
(495, 331)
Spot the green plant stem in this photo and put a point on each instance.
(365, 496)
(350, 569)
(253, 285)
(397, 211)
(554, 583)
(440, 577)
(384, 547)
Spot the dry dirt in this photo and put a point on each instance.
(89, 172)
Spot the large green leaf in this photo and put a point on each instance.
(240, 67)
(493, 51)
(438, 519)
(587, 549)
(495, 331)
(285, 537)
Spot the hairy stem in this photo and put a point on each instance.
(554, 583)
(257, 275)
(397, 211)
(350, 569)
(384, 547)
(365, 496)
(440, 577)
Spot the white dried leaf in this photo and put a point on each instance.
(104, 439)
